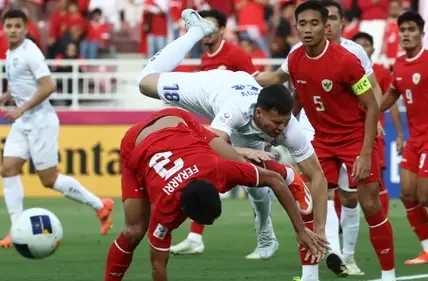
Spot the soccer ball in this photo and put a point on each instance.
(36, 233)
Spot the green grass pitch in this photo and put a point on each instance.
(83, 251)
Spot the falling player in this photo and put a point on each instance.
(410, 79)
(340, 262)
(35, 127)
(384, 78)
(240, 112)
(164, 181)
(338, 99)
(220, 55)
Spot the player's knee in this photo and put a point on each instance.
(349, 199)
(9, 171)
(135, 233)
(408, 196)
(48, 179)
(370, 206)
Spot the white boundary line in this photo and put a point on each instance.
(407, 277)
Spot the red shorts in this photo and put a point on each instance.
(381, 152)
(130, 187)
(415, 159)
(331, 158)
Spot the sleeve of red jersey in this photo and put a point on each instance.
(353, 74)
(237, 173)
(387, 79)
(244, 62)
(393, 83)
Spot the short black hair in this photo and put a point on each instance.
(96, 11)
(411, 16)
(312, 5)
(363, 35)
(201, 202)
(332, 3)
(15, 14)
(275, 97)
(216, 14)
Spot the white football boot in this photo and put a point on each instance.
(267, 243)
(352, 267)
(187, 247)
(192, 18)
(336, 263)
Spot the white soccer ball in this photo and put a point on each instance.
(36, 233)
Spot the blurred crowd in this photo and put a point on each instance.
(72, 29)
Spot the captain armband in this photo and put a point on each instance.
(361, 86)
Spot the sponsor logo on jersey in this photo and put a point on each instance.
(160, 232)
(227, 116)
(327, 85)
(416, 78)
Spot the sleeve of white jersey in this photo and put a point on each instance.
(366, 63)
(296, 142)
(36, 62)
(228, 119)
(284, 65)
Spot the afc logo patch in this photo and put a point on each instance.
(327, 85)
(416, 78)
(226, 117)
(160, 232)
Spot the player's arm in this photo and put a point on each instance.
(297, 105)
(376, 88)
(272, 77)
(41, 72)
(390, 98)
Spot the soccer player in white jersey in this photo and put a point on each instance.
(340, 263)
(238, 113)
(35, 127)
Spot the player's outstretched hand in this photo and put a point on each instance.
(399, 142)
(380, 130)
(257, 156)
(361, 168)
(317, 245)
(14, 114)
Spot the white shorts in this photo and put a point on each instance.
(35, 142)
(309, 132)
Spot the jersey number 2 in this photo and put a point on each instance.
(160, 160)
(318, 103)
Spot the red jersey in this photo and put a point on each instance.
(228, 56)
(324, 86)
(410, 78)
(383, 77)
(166, 160)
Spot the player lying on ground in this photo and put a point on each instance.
(332, 88)
(35, 127)
(410, 79)
(243, 113)
(340, 264)
(165, 180)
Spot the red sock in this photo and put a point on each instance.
(277, 167)
(309, 222)
(418, 219)
(337, 204)
(382, 239)
(196, 228)
(119, 258)
(384, 199)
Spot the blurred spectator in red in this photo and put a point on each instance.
(351, 25)
(251, 21)
(75, 19)
(113, 11)
(155, 25)
(58, 28)
(97, 38)
(83, 6)
(254, 53)
(391, 46)
(285, 35)
(33, 31)
(373, 9)
(227, 7)
(3, 44)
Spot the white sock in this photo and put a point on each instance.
(350, 221)
(388, 275)
(332, 228)
(260, 199)
(72, 189)
(167, 59)
(425, 245)
(310, 272)
(14, 196)
(290, 175)
(196, 237)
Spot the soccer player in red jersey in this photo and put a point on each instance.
(383, 76)
(340, 104)
(164, 181)
(410, 79)
(222, 54)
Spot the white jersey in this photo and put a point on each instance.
(25, 65)
(228, 99)
(352, 47)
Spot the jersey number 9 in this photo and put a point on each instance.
(409, 97)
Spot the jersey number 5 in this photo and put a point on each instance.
(160, 160)
(318, 103)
